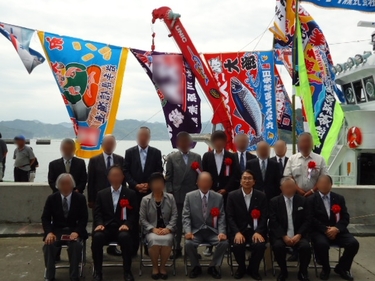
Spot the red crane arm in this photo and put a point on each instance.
(199, 68)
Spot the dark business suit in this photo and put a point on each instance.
(248, 157)
(320, 222)
(281, 165)
(98, 173)
(240, 220)
(53, 220)
(278, 225)
(77, 170)
(271, 184)
(104, 215)
(221, 181)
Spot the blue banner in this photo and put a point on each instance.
(357, 5)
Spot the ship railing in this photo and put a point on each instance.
(340, 180)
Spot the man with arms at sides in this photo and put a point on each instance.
(68, 164)
(247, 216)
(3, 155)
(23, 159)
(64, 214)
(181, 178)
(115, 219)
(289, 224)
(305, 166)
(266, 171)
(203, 220)
(98, 174)
(280, 149)
(330, 221)
(242, 143)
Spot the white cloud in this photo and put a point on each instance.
(214, 26)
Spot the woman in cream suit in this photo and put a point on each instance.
(158, 216)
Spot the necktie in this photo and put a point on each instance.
(289, 207)
(281, 165)
(108, 162)
(263, 169)
(204, 206)
(67, 166)
(65, 207)
(242, 162)
(327, 205)
(143, 159)
(185, 157)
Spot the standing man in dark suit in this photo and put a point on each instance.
(280, 149)
(241, 142)
(115, 219)
(181, 178)
(65, 213)
(289, 225)
(330, 221)
(68, 164)
(266, 171)
(247, 216)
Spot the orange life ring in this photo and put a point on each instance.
(354, 137)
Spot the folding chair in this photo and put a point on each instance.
(110, 264)
(233, 264)
(316, 266)
(275, 265)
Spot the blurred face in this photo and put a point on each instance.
(280, 148)
(67, 150)
(219, 144)
(288, 188)
(109, 145)
(65, 185)
(247, 181)
(204, 182)
(143, 137)
(115, 177)
(241, 142)
(184, 144)
(20, 143)
(305, 144)
(263, 150)
(324, 184)
(157, 186)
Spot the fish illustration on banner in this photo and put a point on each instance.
(20, 38)
(246, 80)
(89, 76)
(175, 85)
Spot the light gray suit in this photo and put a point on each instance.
(180, 180)
(203, 228)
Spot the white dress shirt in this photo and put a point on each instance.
(327, 203)
(143, 156)
(289, 212)
(247, 198)
(239, 156)
(185, 157)
(68, 198)
(202, 194)
(115, 197)
(219, 157)
(282, 160)
(265, 162)
(106, 159)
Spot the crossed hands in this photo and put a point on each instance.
(142, 187)
(161, 231)
(332, 232)
(292, 241)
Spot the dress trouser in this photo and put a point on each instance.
(20, 175)
(210, 237)
(179, 226)
(111, 234)
(74, 253)
(322, 244)
(304, 254)
(257, 253)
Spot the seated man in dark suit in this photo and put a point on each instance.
(116, 210)
(289, 227)
(266, 171)
(330, 220)
(247, 216)
(64, 220)
(68, 164)
(241, 142)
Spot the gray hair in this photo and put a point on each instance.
(62, 176)
(285, 179)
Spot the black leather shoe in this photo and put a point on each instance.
(46, 279)
(303, 277)
(239, 274)
(255, 276)
(128, 276)
(195, 272)
(113, 251)
(155, 276)
(164, 276)
(177, 254)
(324, 275)
(343, 274)
(282, 276)
(97, 276)
(214, 272)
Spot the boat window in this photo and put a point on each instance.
(349, 93)
(359, 92)
(369, 87)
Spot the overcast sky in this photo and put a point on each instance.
(213, 25)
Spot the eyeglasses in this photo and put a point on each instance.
(247, 178)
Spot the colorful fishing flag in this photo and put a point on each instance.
(89, 76)
(247, 82)
(175, 85)
(283, 104)
(284, 20)
(20, 38)
(358, 5)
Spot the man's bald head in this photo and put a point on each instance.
(204, 182)
(263, 150)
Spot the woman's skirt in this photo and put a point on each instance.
(159, 240)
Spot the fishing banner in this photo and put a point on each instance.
(247, 81)
(175, 85)
(89, 76)
(358, 5)
(20, 38)
(283, 104)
